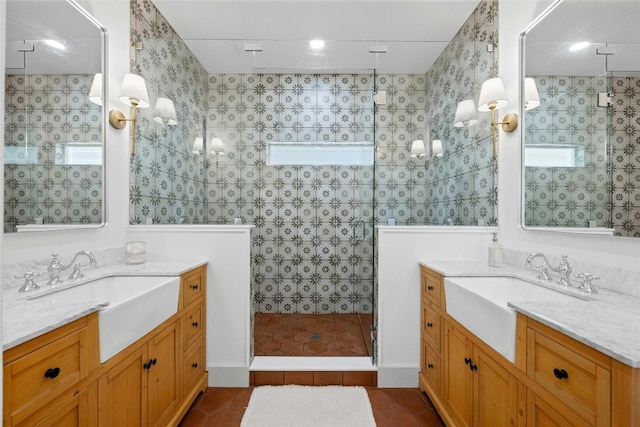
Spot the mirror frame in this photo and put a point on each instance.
(522, 132)
(104, 42)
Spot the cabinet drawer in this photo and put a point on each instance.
(570, 376)
(192, 365)
(431, 326)
(431, 367)
(192, 286)
(38, 378)
(192, 326)
(431, 284)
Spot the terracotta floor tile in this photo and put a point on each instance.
(342, 334)
(228, 406)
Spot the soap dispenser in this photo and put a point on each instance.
(495, 252)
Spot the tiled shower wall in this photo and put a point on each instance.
(606, 189)
(168, 180)
(461, 185)
(40, 111)
(307, 253)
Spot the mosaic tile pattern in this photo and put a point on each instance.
(40, 111)
(168, 180)
(605, 190)
(307, 255)
(461, 185)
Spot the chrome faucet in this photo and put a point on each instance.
(77, 274)
(544, 272)
(54, 269)
(586, 285)
(563, 269)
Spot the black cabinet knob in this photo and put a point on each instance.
(430, 366)
(52, 373)
(429, 325)
(194, 287)
(429, 288)
(195, 365)
(560, 373)
(194, 324)
(467, 361)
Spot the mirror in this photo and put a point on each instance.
(581, 163)
(54, 135)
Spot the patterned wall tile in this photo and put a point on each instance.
(40, 112)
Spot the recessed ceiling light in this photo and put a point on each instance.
(316, 44)
(55, 44)
(578, 46)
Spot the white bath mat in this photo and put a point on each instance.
(308, 406)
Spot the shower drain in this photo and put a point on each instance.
(315, 337)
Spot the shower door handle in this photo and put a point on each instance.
(356, 223)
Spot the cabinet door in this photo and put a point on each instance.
(79, 411)
(120, 393)
(496, 393)
(541, 414)
(458, 376)
(162, 381)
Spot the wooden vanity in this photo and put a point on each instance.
(57, 378)
(555, 380)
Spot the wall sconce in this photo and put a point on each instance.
(95, 94)
(466, 114)
(133, 92)
(531, 96)
(492, 98)
(436, 148)
(217, 147)
(418, 149)
(198, 146)
(165, 112)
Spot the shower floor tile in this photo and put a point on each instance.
(295, 334)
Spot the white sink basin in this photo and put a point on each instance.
(480, 305)
(137, 304)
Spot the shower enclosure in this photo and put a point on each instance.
(314, 165)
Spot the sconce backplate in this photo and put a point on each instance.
(509, 122)
(117, 119)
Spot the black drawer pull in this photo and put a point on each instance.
(473, 367)
(429, 325)
(467, 361)
(560, 373)
(194, 324)
(52, 373)
(430, 366)
(429, 288)
(194, 287)
(195, 365)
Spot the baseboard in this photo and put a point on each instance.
(228, 376)
(400, 377)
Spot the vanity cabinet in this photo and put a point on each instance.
(142, 389)
(43, 377)
(57, 378)
(573, 374)
(555, 380)
(431, 308)
(478, 391)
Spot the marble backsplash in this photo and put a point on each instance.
(39, 266)
(611, 278)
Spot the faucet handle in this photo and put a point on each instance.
(586, 285)
(29, 283)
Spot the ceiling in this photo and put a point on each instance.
(414, 32)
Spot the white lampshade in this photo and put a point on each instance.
(417, 148)
(492, 92)
(466, 114)
(531, 96)
(436, 148)
(165, 112)
(198, 145)
(217, 146)
(134, 87)
(95, 94)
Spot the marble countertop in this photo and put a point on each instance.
(607, 321)
(24, 318)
